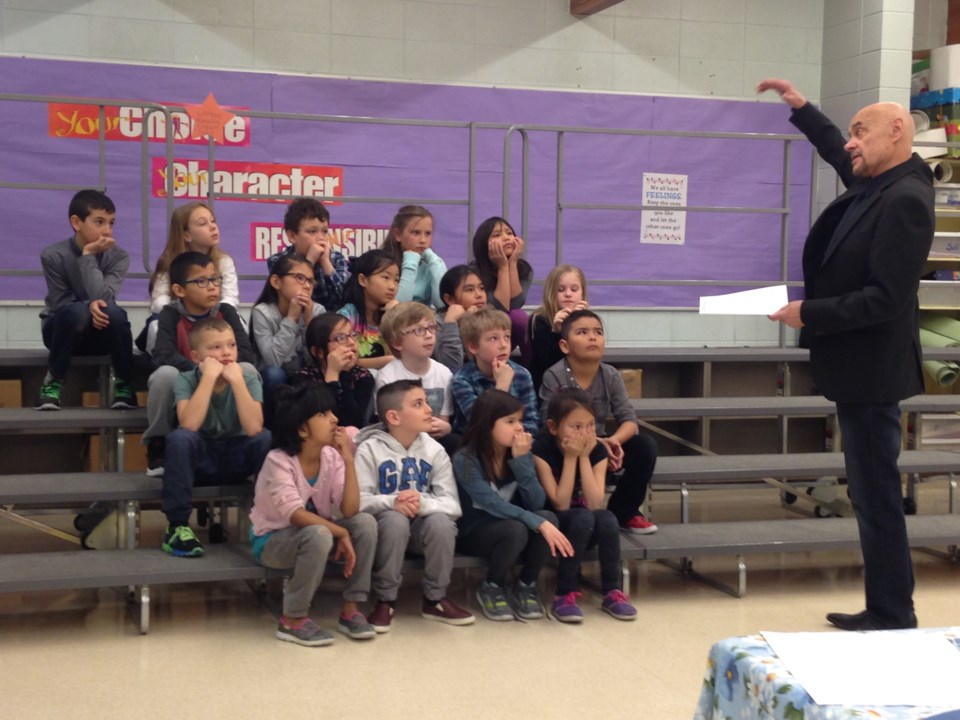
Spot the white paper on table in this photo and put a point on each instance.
(762, 301)
(874, 668)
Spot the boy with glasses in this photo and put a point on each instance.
(195, 285)
(410, 329)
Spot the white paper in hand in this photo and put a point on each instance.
(762, 301)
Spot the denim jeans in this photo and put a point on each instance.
(70, 331)
(272, 377)
(585, 528)
(190, 455)
(871, 446)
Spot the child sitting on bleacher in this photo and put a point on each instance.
(278, 322)
(310, 472)
(410, 329)
(220, 411)
(307, 227)
(406, 483)
(582, 341)
(332, 344)
(572, 466)
(193, 228)
(80, 315)
(504, 516)
(486, 337)
(195, 283)
(564, 291)
(462, 292)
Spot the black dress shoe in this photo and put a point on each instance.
(866, 620)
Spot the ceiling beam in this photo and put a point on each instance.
(582, 8)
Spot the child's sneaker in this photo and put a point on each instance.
(309, 634)
(156, 447)
(527, 600)
(124, 398)
(493, 602)
(445, 611)
(639, 525)
(381, 616)
(356, 627)
(49, 395)
(180, 541)
(617, 604)
(565, 608)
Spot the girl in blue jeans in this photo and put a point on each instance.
(572, 467)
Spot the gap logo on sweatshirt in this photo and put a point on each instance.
(413, 474)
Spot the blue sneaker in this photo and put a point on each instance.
(617, 604)
(180, 541)
(565, 608)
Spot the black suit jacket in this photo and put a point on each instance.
(860, 311)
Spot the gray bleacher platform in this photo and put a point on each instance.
(685, 472)
(686, 541)
(139, 568)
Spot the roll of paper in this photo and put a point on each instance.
(921, 121)
(945, 67)
(938, 135)
(945, 170)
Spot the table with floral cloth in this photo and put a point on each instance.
(745, 679)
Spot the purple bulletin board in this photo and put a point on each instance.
(44, 143)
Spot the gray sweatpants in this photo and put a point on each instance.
(434, 536)
(306, 550)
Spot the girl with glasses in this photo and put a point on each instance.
(332, 345)
(279, 321)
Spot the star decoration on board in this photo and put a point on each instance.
(209, 119)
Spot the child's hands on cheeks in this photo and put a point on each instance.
(232, 373)
(211, 367)
(498, 255)
(454, 313)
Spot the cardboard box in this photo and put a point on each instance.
(11, 394)
(134, 454)
(633, 379)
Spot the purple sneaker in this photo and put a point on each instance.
(618, 605)
(565, 608)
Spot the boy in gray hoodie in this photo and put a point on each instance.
(406, 482)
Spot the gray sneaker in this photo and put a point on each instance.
(493, 602)
(527, 601)
(311, 634)
(356, 627)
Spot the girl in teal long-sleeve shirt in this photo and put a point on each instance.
(410, 241)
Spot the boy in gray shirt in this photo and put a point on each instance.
(582, 342)
(81, 316)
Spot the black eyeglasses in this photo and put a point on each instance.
(301, 279)
(421, 330)
(341, 338)
(204, 283)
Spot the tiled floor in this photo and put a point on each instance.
(211, 651)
